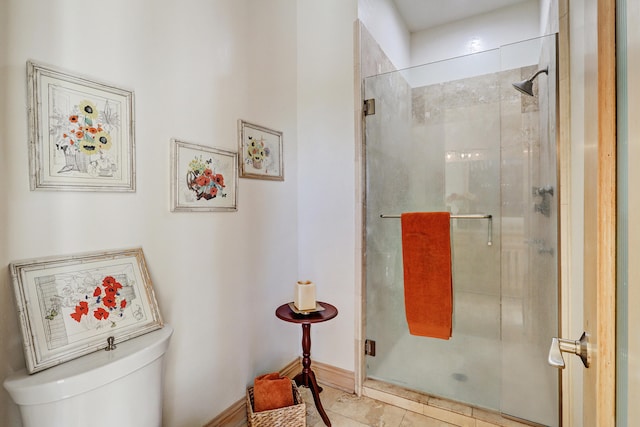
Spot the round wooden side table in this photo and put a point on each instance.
(307, 378)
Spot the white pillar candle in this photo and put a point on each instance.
(305, 295)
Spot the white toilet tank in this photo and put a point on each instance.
(120, 387)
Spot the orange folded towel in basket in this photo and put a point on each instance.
(426, 255)
(271, 391)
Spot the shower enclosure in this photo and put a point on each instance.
(457, 136)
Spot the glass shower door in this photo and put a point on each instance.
(455, 136)
(530, 387)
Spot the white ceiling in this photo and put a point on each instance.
(422, 14)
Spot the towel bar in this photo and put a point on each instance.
(464, 216)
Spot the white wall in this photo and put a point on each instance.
(549, 16)
(479, 33)
(516, 55)
(9, 340)
(326, 168)
(196, 67)
(458, 39)
(383, 21)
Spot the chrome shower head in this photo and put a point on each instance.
(526, 86)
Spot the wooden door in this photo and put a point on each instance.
(588, 39)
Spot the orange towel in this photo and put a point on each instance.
(270, 391)
(426, 254)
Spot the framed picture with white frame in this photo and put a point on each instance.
(203, 179)
(260, 152)
(81, 132)
(71, 305)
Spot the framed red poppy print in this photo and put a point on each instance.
(70, 306)
(203, 178)
(81, 132)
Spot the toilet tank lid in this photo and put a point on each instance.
(88, 372)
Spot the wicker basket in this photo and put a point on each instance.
(289, 416)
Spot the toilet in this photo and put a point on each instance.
(120, 387)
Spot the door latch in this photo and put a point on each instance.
(561, 345)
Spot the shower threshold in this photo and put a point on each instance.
(449, 411)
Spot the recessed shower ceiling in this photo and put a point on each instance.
(422, 14)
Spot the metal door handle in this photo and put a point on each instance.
(560, 345)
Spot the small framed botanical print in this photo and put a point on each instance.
(203, 178)
(260, 152)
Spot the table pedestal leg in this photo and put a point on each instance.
(307, 378)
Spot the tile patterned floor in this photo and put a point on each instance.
(348, 410)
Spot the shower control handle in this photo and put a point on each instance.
(561, 345)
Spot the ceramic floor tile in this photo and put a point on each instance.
(367, 411)
(496, 419)
(337, 420)
(480, 423)
(394, 400)
(328, 396)
(412, 419)
(448, 416)
(450, 406)
(348, 410)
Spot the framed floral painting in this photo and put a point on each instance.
(70, 306)
(260, 152)
(203, 178)
(81, 132)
